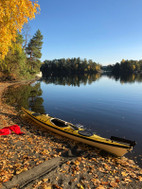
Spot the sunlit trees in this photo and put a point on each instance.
(33, 50)
(14, 61)
(126, 66)
(130, 66)
(13, 15)
(69, 66)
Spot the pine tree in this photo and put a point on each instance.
(34, 51)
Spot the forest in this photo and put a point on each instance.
(69, 66)
(22, 60)
(76, 66)
(125, 66)
(19, 55)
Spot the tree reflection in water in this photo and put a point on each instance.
(73, 80)
(29, 96)
(125, 77)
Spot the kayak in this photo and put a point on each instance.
(114, 145)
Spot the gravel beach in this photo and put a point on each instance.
(80, 166)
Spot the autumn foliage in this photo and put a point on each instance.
(13, 15)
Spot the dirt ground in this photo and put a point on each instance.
(81, 166)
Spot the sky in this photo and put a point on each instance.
(105, 31)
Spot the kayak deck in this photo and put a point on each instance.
(71, 131)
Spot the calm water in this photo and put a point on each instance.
(103, 104)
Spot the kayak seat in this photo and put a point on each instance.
(85, 133)
(58, 122)
(36, 114)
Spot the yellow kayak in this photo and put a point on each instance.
(115, 145)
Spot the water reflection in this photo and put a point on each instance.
(30, 96)
(125, 78)
(77, 80)
(72, 80)
(27, 96)
(105, 106)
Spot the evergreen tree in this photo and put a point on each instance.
(34, 51)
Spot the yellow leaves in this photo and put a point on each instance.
(124, 174)
(42, 185)
(101, 169)
(45, 179)
(45, 152)
(21, 170)
(140, 178)
(95, 181)
(68, 162)
(113, 184)
(104, 183)
(48, 187)
(107, 167)
(13, 15)
(77, 162)
(45, 186)
(127, 180)
(94, 159)
(80, 186)
(100, 187)
(133, 175)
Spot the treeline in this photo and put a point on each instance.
(69, 66)
(125, 66)
(22, 59)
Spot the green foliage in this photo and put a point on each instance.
(33, 51)
(127, 66)
(126, 71)
(26, 96)
(14, 62)
(69, 66)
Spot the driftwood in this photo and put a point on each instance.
(24, 178)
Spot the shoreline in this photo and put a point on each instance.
(84, 167)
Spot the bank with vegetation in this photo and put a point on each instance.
(124, 67)
(22, 59)
(70, 66)
(74, 67)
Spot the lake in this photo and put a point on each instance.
(107, 105)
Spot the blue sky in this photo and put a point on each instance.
(105, 31)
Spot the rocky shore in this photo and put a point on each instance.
(74, 165)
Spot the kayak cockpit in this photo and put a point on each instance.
(59, 122)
